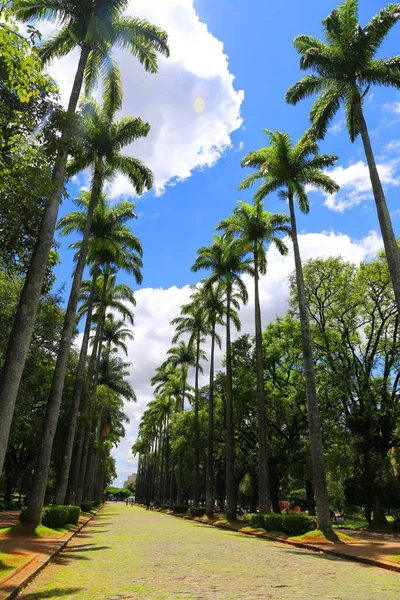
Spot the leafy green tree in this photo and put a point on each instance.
(95, 28)
(290, 168)
(225, 261)
(256, 228)
(345, 67)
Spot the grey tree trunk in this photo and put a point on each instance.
(314, 425)
(264, 495)
(230, 442)
(180, 458)
(38, 490)
(21, 334)
(210, 434)
(389, 239)
(196, 449)
(61, 491)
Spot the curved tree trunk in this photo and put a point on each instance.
(314, 425)
(230, 442)
(389, 239)
(210, 435)
(21, 334)
(41, 473)
(61, 491)
(264, 495)
(196, 450)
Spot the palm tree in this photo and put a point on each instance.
(94, 28)
(345, 67)
(193, 322)
(211, 298)
(115, 333)
(256, 228)
(290, 168)
(111, 242)
(103, 139)
(225, 259)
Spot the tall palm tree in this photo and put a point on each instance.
(345, 67)
(183, 356)
(211, 298)
(290, 168)
(103, 139)
(192, 321)
(256, 227)
(225, 259)
(111, 242)
(95, 28)
(115, 333)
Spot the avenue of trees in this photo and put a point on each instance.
(309, 402)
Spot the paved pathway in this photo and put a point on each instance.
(128, 553)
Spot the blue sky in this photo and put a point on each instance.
(179, 218)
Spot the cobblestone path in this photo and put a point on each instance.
(128, 553)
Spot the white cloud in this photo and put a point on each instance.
(393, 107)
(337, 127)
(196, 76)
(355, 184)
(157, 307)
(393, 145)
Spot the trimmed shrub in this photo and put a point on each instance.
(180, 509)
(96, 504)
(255, 520)
(298, 498)
(164, 507)
(273, 522)
(197, 511)
(1, 507)
(86, 506)
(58, 516)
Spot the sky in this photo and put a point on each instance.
(225, 81)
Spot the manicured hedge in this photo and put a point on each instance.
(255, 520)
(180, 509)
(197, 511)
(96, 504)
(86, 506)
(56, 516)
(290, 524)
(164, 507)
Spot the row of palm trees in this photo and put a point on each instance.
(344, 66)
(95, 139)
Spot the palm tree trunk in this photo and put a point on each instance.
(230, 443)
(61, 491)
(196, 450)
(389, 239)
(264, 496)
(21, 334)
(210, 435)
(180, 457)
(41, 473)
(314, 424)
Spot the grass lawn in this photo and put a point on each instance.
(359, 522)
(40, 531)
(8, 562)
(317, 536)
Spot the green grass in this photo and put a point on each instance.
(9, 562)
(358, 522)
(40, 531)
(323, 537)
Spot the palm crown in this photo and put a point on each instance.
(289, 168)
(345, 65)
(98, 25)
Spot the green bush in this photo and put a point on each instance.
(164, 507)
(197, 511)
(273, 522)
(96, 504)
(180, 509)
(298, 498)
(290, 524)
(1, 506)
(255, 520)
(86, 506)
(58, 516)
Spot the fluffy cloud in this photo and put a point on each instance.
(393, 107)
(191, 104)
(355, 183)
(157, 307)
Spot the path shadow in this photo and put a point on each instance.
(53, 593)
(86, 549)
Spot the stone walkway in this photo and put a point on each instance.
(128, 553)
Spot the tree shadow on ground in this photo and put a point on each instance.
(53, 593)
(84, 548)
